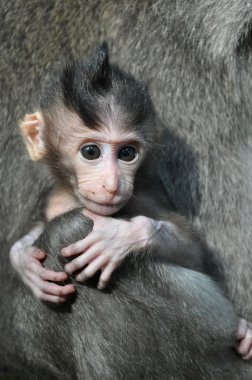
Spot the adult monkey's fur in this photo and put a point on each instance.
(196, 59)
(155, 321)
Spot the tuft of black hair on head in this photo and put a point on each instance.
(99, 68)
(92, 88)
(82, 82)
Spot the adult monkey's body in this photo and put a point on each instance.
(196, 57)
(152, 315)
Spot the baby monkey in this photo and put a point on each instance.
(95, 130)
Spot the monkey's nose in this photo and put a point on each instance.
(111, 184)
(110, 190)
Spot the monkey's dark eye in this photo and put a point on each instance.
(127, 153)
(90, 152)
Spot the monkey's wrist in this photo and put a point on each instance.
(36, 231)
(151, 231)
(26, 241)
(142, 227)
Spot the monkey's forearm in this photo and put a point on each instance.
(173, 240)
(20, 250)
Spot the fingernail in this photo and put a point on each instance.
(68, 270)
(80, 278)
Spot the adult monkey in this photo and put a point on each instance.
(197, 57)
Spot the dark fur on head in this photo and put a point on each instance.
(97, 92)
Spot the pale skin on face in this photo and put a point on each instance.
(102, 187)
(116, 175)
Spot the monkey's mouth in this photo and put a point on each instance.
(103, 208)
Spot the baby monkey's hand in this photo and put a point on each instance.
(27, 260)
(105, 247)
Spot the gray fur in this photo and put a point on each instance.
(196, 59)
(139, 328)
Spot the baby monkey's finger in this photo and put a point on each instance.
(50, 275)
(56, 290)
(106, 275)
(245, 344)
(80, 246)
(242, 328)
(249, 355)
(38, 254)
(92, 268)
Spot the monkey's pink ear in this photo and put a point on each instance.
(31, 128)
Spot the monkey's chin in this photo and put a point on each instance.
(103, 209)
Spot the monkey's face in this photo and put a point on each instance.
(99, 164)
(104, 163)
